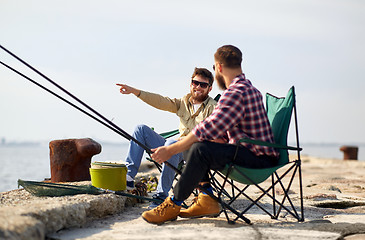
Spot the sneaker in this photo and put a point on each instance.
(156, 196)
(203, 206)
(167, 211)
(130, 185)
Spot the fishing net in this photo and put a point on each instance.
(49, 189)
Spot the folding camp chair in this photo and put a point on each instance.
(228, 182)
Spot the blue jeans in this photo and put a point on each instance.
(151, 139)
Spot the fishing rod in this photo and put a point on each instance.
(109, 124)
(124, 134)
(58, 96)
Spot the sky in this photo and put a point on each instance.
(87, 47)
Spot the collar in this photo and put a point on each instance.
(241, 77)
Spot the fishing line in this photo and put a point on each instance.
(124, 134)
(109, 124)
(60, 97)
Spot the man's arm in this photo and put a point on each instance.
(153, 99)
(162, 154)
(125, 89)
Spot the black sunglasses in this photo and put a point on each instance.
(214, 66)
(202, 84)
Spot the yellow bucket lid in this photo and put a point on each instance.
(107, 165)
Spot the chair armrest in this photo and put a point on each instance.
(169, 134)
(268, 144)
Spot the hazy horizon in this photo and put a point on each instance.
(4, 141)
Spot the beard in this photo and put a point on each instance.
(220, 81)
(199, 97)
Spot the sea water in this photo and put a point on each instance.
(32, 162)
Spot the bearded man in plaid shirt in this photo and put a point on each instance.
(213, 143)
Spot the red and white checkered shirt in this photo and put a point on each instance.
(239, 113)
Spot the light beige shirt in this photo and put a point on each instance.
(182, 107)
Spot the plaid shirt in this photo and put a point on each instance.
(239, 113)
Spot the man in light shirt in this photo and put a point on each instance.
(191, 109)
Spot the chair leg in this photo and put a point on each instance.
(273, 201)
(301, 191)
(266, 193)
(295, 213)
(278, 204)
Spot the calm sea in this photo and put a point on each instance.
(31, 161)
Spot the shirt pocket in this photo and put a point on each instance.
(199, 118)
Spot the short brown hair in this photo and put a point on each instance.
(205, 73)
(228, 55)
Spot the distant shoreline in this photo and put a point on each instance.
(321, 150)
(45, 143)
(5, 142)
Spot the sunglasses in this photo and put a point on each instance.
(201, 84)
(214, 66)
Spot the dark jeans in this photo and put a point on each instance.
(206, 155)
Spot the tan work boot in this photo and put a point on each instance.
(166, 211)
(203, 206)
